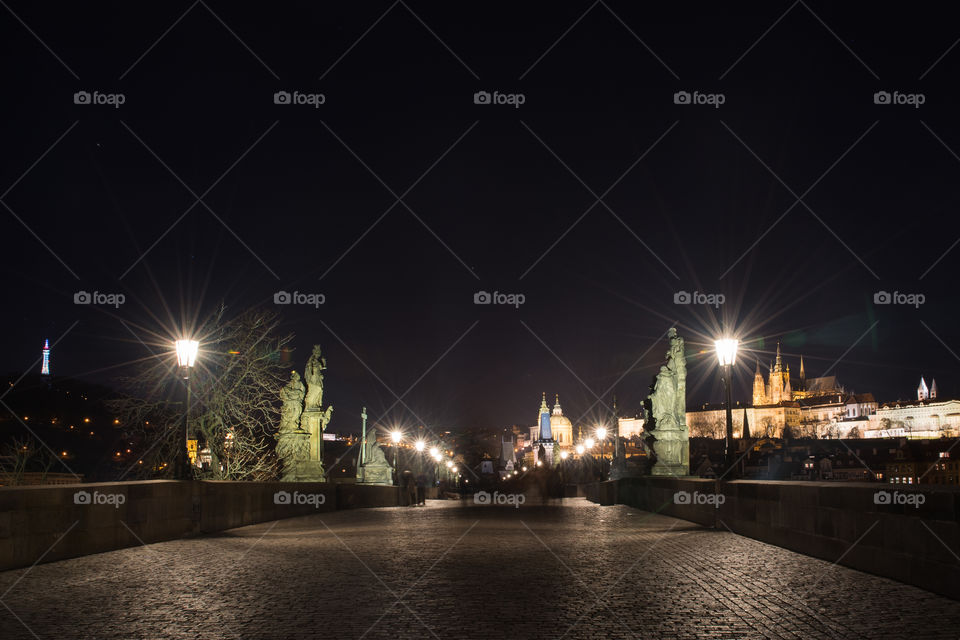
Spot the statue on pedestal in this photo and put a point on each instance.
(314, 419)
(293, 443)
(666, 413)
(372, 465)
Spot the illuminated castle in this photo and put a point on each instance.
(779, 388)
(45, 369)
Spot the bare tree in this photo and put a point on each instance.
(20, 456)
(234, 406)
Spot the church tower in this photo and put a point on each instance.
(779, 381)
(545, 431)
(776, 379)
(803, 377)
(759, 389)
(923, 393)
(543, 446)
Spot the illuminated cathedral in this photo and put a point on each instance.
(779, 387)
(561, 429)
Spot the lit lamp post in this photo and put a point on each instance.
(602, 434)
(396, 436)
(727, 354)
(419, 445)
(186, 358)
(435, 454)
(588, 443)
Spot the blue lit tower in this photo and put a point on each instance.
(45, 369)
(545, 441)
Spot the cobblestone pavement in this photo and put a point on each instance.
(451, 570)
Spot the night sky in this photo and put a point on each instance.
(492, 197)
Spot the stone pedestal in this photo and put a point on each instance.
(293, 449)
(375, 474)
(312, 421)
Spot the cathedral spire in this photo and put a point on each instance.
(779, 362)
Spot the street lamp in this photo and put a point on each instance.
(727, 355)
(602, 434)
(396, 436)
(186, 358)
(580, 449)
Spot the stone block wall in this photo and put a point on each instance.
(911, 534)
(47, 523)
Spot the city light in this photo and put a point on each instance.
(420, 445)
(396, 436)
(449, 464)
(726, 350)
(563, 455)
(589, 442)
(187, 352)
(435, 453)
(580, 449)
(601, 432)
